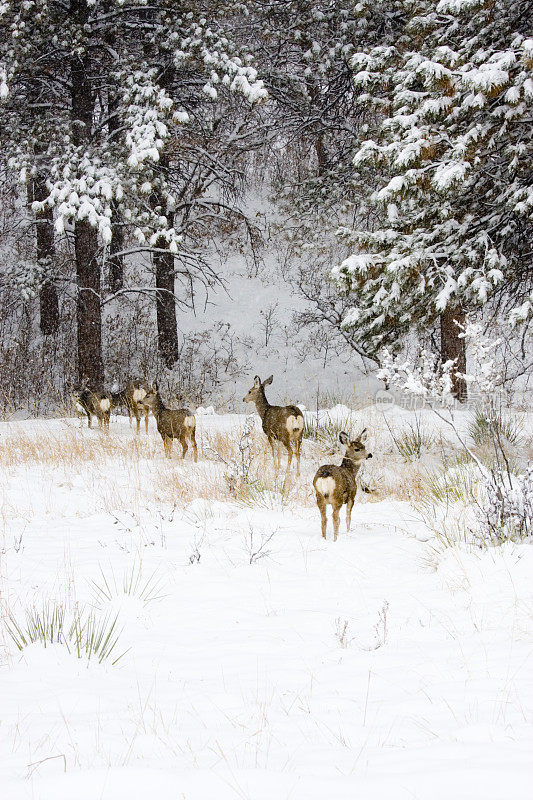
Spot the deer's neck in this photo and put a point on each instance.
(261, 403)
(158, 405)
(350, 465)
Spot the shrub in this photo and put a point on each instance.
(486, 427)
(326, 432)
(84, 633)
(133, 584)
(507, 513)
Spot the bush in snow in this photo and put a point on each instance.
(507, 512)
(84, 633)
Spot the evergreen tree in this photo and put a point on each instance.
(100, 89)
(452, 154)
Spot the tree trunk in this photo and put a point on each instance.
(89, 316)
(452, 347)
(90, 364)
(116, 262)
(48, 298)
(167, 331)
(167, 326)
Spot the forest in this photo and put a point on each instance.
(375, 158)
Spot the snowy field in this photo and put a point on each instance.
(257, 661)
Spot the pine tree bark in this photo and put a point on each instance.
(48, 297)
(88, 311)
(452, 347)
(116, 262)
(167, 326)
(89, 316)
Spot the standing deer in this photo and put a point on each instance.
(180, 424)
(130, 398)
(338, 485)
(97, 403)
(283, 424)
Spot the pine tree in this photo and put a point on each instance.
(101, 88)
(449, 170)
(305, 51)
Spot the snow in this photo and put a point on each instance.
(369, 667)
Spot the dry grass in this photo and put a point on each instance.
(80, 470)
(72, 447)
(77, 471)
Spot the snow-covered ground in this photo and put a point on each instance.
(263, 663)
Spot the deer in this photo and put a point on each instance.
(130, 398)
(283, 424)
(98, 403)
(171, 424)
(337, 485)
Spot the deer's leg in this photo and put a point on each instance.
(349, 506)
(298, 444)
(271, 442)
(322, 508)
(185, 446)
(106, 422)
(336, 521)
(128, 408)
(194, 447)
(137, 412)
(146, 415)
(167, 444)
(89, 419)
(289, 454)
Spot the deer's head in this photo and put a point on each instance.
(150, 398)
(257, 390)
(355, 448)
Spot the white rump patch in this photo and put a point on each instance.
(139, 394)
(105, 404)
(189, 422)
(326, 486)
(294, 424)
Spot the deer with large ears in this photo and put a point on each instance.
(283, 424)
(88, 402)
(130, 398)
(337, 485)
(172, 424)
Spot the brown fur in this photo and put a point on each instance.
(283, 424)
(337, 485)
(172, 424)
(133, 406)
(97, 403)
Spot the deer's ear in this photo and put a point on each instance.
(268, 381)
(154, 386)
(363, 436)
(257, 381)
(343, 438)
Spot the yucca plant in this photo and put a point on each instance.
(95, 637)
(81, 632)
(326, 432)
(45, 625)
(413, 443)
(133, 584)
(487, 426)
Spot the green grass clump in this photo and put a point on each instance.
(326, 433)
(84, 633)
(413, 444)
(452, 486)
(486, 428)
(133, 584)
